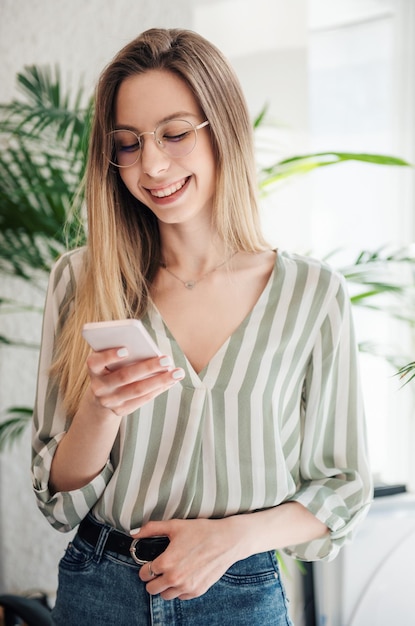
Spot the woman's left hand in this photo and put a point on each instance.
(201, 550)
(199, 553)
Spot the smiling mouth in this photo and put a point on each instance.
(168, 191)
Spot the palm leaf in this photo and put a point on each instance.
(303, 164)
(382, 280)
(13, 427)
(260, 118)
(41, 167)
(306, 163)
(46, 109)
(407, 372)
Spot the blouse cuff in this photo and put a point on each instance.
(340, 519)
(65, 510)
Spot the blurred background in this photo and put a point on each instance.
(333, 76)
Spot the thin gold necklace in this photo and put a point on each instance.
(191, 284)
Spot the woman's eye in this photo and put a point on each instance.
(176, 136)
(133, 147)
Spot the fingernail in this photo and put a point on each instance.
(135, 531)
(122, 352)
(178, 374)
(166, 361)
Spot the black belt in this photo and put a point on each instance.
(141, 550)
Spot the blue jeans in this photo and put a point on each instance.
(98, 588)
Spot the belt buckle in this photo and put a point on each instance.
(149, 550)
(134, 554)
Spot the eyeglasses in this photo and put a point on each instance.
(175, 137)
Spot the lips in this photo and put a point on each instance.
(169, 190)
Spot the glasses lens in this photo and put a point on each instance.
(125, 149)
(176, 137)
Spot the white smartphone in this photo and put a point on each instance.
(128, 333)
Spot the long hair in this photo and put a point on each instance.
(123, 249)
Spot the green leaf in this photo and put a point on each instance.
(18, 343)
(14, 426)
(303, 164)
(41, 169)
(407, 372)
(260, 117)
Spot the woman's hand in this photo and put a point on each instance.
(85, 449)
(199, 553)
(201, 550)
(126, 388)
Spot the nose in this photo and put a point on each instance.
(153, 159)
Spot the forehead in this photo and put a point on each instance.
(143, 100)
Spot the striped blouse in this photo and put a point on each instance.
(275, 416)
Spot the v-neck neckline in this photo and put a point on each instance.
(159, 325)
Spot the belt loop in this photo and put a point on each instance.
(102, 540)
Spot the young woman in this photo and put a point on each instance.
(187, 471)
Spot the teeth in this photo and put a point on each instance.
(167, 191)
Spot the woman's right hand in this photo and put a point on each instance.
(124, 388)
(85, 448)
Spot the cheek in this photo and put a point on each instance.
(125, 175)
(130, 181)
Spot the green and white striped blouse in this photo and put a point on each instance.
(276, 415)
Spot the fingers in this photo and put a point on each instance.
(197, 556)
(151, 573)
(172, 582)
(127, 387)
(153, 528)
(147, 572)
(105, 361)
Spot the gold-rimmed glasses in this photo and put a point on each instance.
(175, 137)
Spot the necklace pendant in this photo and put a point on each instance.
(189, 284)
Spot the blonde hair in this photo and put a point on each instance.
(123, 250)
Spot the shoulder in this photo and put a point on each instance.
(308, 277)
(68, 267)
(63, 281)
(307, 266)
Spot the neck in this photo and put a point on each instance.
(193, 255)
(191, 251)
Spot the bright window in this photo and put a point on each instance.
(361, 71)
(337, 75)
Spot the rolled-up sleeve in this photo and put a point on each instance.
(335, 480)
(63, 510)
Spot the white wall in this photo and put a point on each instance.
(267, 44)
(79, 36)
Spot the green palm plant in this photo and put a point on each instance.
(42, 164)
(382, 281)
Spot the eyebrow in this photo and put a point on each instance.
(173, 116)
